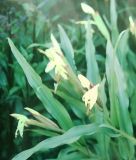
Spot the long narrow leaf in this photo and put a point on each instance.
(119, 100)
(113, 15)
(53, 106)
(67, 47)
(69, 137)
(92, 66)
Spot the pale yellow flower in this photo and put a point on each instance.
(132, 25)
(91, 95)
(22, 122)
(39, 121)
(56, 58)
(87, 9)
(84, 81)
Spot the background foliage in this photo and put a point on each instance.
(29, 25)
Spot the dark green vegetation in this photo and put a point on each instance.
(68, 39)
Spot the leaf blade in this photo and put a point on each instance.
(53, 106)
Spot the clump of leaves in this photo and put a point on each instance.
(85, 115)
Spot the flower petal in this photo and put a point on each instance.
(49, 67)
(84, 81)
(56, 44)
(90, 97)
(87, 9)
(21, 123)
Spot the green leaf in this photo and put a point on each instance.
(3, 79)
(72, 155)
(133, 108)
(76, 105)
(113, 16)
(102, 138)
(40, 23)
(67, 47)
(119, 100)
(69, 137)
(53, 106)
(117, 86)
(101, 26)
(47, 45)
(92, 66)
(121, 48)
(43, 132)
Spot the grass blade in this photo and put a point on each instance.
(92, 67)
(113, 16)
(67, 47)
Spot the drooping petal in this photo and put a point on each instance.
(49, 66)
(90, 97)
(21, 123)
(87, 9)
(84, 81)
